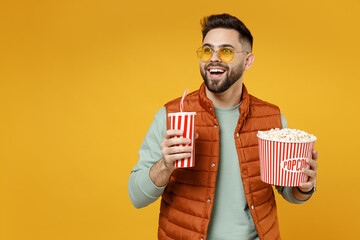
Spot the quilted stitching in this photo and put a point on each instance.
(185, 212)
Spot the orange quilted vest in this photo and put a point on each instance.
(187, 200)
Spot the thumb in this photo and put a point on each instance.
(196, 135)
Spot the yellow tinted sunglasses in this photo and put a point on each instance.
(226, 54)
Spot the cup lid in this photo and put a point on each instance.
(181, 113)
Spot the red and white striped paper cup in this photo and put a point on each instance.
(184, 121)
(281, 162)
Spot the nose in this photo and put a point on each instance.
(215, 57)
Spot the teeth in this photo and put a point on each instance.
(216, 70)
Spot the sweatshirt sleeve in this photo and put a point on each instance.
(142, 191)
(287, 192)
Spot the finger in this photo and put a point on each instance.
(176, 150)
(177, 141)
(306, 186)
(172, 133)
(310, 173)
(312, 163)
(315, 154)
(172, 158)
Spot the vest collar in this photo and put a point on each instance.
(208, 105)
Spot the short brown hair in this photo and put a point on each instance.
(226, 21)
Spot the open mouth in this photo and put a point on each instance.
(216, 72)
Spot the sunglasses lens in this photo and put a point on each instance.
(204, 54)
(226, 54)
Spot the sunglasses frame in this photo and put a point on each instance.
(199, 52)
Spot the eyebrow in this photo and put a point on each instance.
(222, 45)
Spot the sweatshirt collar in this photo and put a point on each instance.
(208, 105)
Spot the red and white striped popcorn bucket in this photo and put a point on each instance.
(281, 162)
(184, 121)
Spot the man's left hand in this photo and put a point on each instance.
(310, 172)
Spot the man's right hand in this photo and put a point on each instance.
(172, 149)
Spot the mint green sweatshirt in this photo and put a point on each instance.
(230, 217)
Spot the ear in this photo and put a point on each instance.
(249, 61)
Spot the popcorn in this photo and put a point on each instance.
(283, 154)
(286, 135)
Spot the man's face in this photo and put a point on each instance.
(220, 76)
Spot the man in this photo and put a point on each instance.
(222, 197)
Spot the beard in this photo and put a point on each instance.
(217, 85)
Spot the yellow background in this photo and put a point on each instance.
(80, 82)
